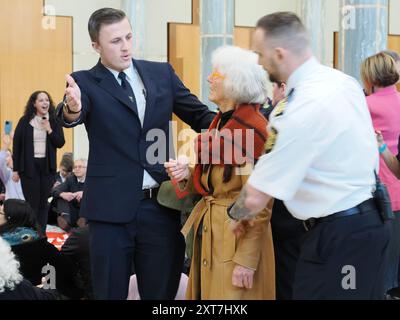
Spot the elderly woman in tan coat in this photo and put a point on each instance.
(223, 265)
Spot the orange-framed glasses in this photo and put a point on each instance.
(216, 75)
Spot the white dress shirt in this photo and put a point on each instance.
(325, 152)
(133, 77)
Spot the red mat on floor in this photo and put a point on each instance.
(56, 236)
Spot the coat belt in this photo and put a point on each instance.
(208, 201)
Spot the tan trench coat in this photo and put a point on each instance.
(220, 250)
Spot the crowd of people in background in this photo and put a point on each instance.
(119, 235)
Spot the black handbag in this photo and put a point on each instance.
(382, 200)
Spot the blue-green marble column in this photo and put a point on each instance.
(313, 15)
(216, 29)
(136, 12)
(363, 32)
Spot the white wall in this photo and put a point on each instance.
(247, 12)
(394, 15)
(162, 12)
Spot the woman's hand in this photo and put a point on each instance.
(46, 126)
(379, 138)
(239, 228)
(178, 170)
(67, 196)
(78, 195)
(15, 176)
(7, 140)
(242, 277)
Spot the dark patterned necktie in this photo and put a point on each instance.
(127, 87)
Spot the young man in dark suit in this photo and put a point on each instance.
(126, 105)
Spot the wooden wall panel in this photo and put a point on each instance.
(242, 37)
(32, 58)
(184, 56)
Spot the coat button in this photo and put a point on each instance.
(205, 228)
(205, 263)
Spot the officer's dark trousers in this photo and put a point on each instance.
(152, 242)
(287, 233)
(392, 275)
(345, 258)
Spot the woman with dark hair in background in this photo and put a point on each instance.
(18, 226)
(36, 139)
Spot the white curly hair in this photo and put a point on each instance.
(245, 80)
(9, 268)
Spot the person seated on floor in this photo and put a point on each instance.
(65, 170)
(76, 248)
(13, 190)
(19, 227)
(13, 286)
(68, 196)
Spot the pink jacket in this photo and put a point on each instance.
(384, 106)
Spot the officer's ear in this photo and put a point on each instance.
(96, 46)
(280, 53)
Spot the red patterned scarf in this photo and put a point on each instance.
(241, 140)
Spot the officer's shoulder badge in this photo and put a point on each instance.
(280, 108)
(272, 135)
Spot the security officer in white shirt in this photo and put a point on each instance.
(321, 157)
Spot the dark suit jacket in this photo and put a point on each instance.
(70, 184)
(23, 152)
(58, 177)
(117, 142)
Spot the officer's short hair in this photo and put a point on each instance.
(245, 80)
(285, 29)
(378, 70)
(104, 16)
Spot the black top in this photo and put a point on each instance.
(33, 256)
(225, 117)
(26, 291)
(23, 150)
